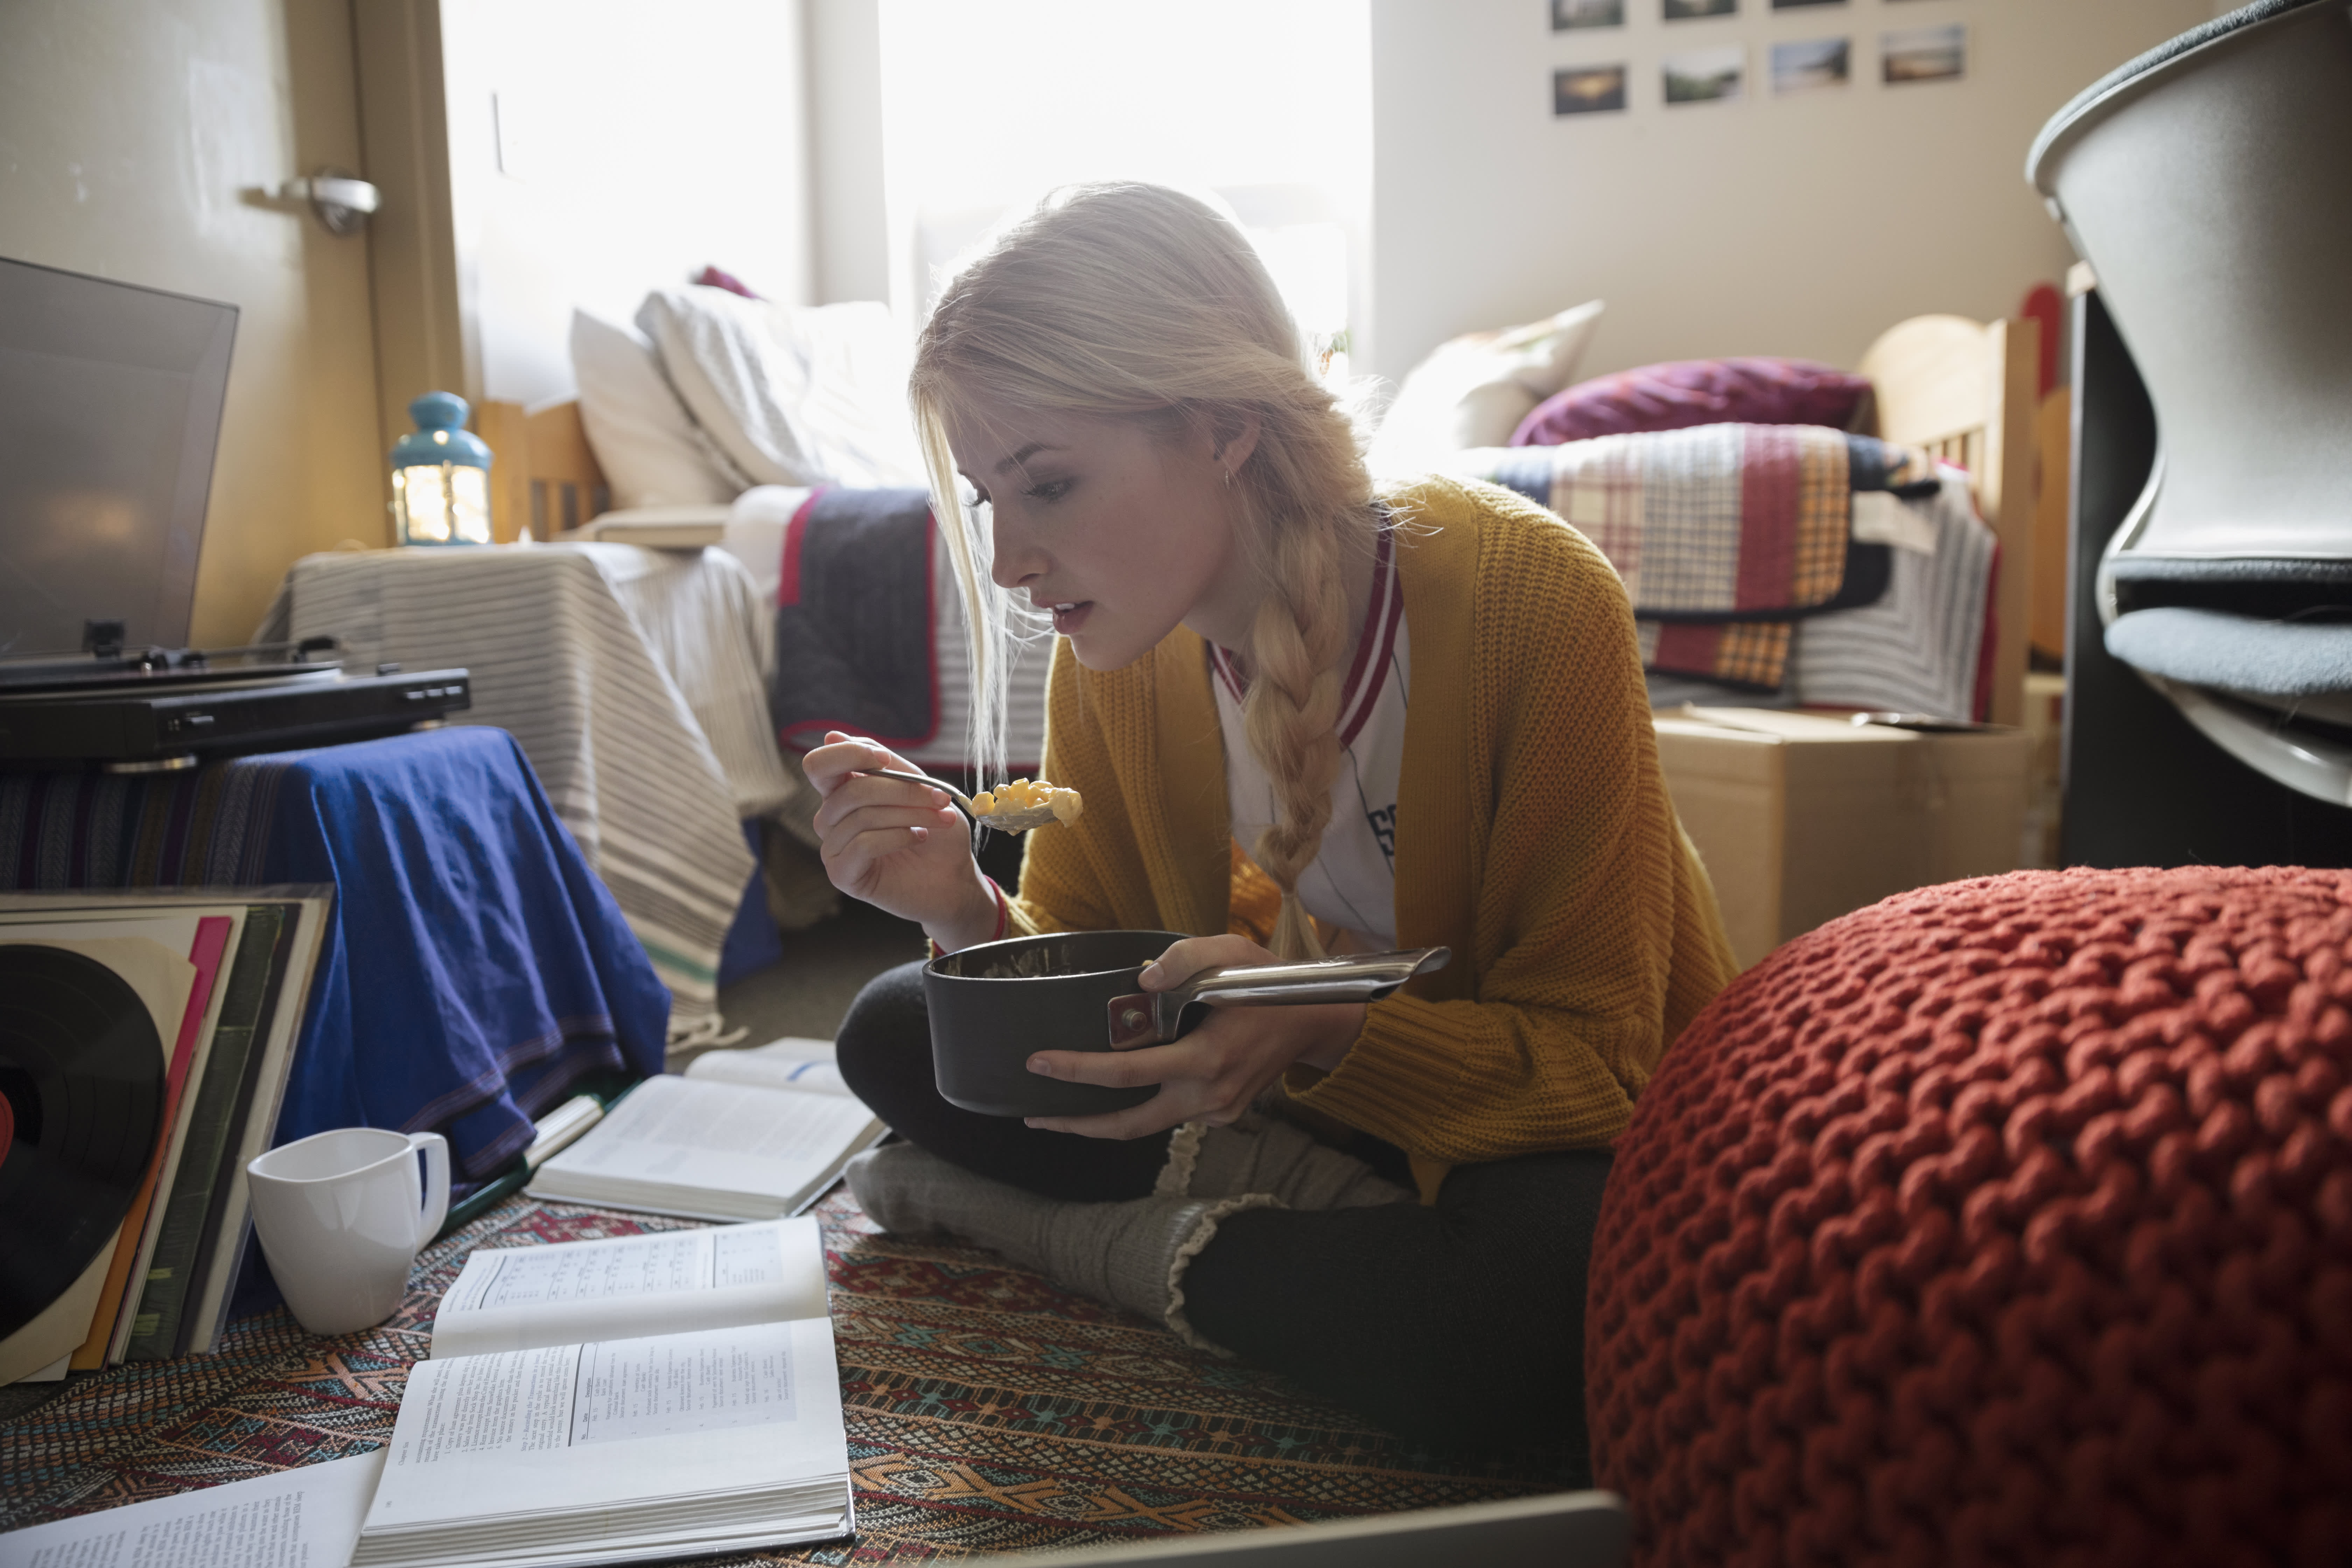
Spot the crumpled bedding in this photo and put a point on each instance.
(792, 396)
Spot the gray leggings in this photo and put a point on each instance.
(1459, 1322)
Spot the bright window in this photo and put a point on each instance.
(987, 104)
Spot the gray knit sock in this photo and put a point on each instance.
(1132, 1255)
(1263, 1154)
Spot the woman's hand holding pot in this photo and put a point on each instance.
(1215, 1073)
(900, 846)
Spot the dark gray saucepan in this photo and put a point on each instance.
(992, 1005)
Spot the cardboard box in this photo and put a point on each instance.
(1801, 818)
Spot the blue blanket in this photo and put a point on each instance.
(474, 968)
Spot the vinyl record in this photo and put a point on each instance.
(82, 1073)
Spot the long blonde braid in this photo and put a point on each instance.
(1291, 712)
(1137, 300)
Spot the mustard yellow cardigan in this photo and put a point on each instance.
(1534, 838)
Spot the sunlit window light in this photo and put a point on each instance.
(1263, 104)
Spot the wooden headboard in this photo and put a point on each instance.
(1969, 392)
(543, 473)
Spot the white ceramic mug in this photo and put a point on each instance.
(341, 1216)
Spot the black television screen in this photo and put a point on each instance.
(110, 410)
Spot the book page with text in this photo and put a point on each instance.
(613, 1422)
(524, 1298)
(304, 1517)
(807, 1067)
(693, 1132)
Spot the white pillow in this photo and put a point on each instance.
(794, 395)
(651, 453)
(1475, 390)
(755, 533)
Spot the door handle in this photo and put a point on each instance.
(342, 200)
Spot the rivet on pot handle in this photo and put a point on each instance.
(1149, 1017)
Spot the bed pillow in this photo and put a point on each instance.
(794, 395)
(650, 452)
(1678, 395)
(1475, 390)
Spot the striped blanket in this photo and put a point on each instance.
(1725, 534)
(1920, 648)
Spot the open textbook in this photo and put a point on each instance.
(742, 1135)
(615, 1451)
(562, 1419)
(526, 1297)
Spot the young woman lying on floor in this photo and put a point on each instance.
(1143, 443)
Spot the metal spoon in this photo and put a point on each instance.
(1000, 822)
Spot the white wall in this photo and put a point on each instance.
(601, 148)
(1798, 226)
(140, 140)
(850, 230)
(988, 104)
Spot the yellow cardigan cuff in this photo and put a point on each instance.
(1393, 1069)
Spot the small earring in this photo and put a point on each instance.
(1229, 477)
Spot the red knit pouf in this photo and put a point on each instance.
(2008, 1222)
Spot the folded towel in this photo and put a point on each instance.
(854, 603)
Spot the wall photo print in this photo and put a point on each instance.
(1801, 4)
(1706, 76)
(1587, 90)
(1812, 64)
(1924, 54)
(1568, 14)
(1690, 10)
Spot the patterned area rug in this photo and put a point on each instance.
(987, 1411)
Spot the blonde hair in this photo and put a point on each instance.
(1134, 300)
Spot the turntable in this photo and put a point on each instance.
(164, 709)
(110, 413)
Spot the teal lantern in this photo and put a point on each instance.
(441, 475)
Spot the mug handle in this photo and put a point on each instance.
(436, 1184)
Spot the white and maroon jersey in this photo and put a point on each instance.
(1352, 883)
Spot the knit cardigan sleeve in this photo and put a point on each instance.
(1595, 931)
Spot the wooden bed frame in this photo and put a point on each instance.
(1964, 390)
(1969, 393)
(543, 474)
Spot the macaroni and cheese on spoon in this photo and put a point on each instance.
(1016, 807)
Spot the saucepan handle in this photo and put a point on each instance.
(1152, 1017)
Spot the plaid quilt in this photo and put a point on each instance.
(1725, 534)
